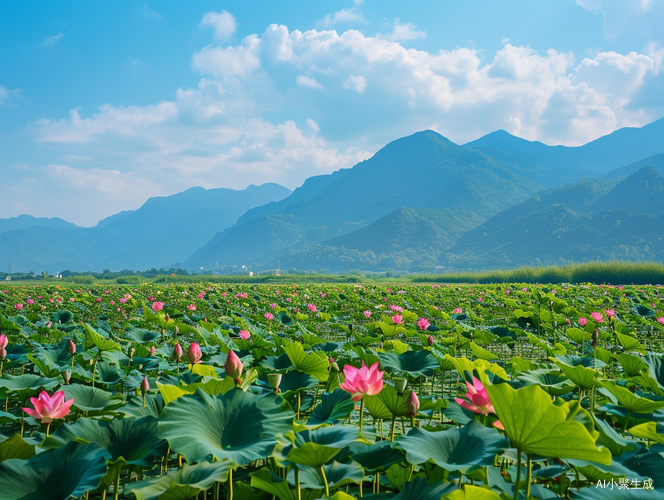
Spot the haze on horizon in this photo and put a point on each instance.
(105, 105)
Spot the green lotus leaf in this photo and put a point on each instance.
(577, 335)
(334, 407)
(552, 382)
(132, 441)
(142, 336)
(294, 381)
(239, 426)
(337, 475)
(8, 326)
(92, 399)
(643, 311)
(610, 438)
(632, 365)
(464, 449)
(94, 339)
(413, 363)
(456, 412)
(470, 492)
(391, 400)
(183, 483)
(481, 353)
(15, 447)
(154, 404)
(54, 474)
(377, 456)
(310, 363)
(27, 385)
(421, 489)
(582, 377)
(314, 448)
(593, 493)
(650, 430)
(630, 401)
(282, 362)
(267, 481)
(536, 426)
(630, 343)
(574, 360)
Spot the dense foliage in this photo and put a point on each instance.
(344, 391)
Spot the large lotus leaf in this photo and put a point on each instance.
(154, 403)
(131, 440)
(615, 493)
(536, 426)
(238, 425)
(295, 381)
(27, 385)
(552, 382)
(464, 449)
(141, 335)
(282, 362)
(577, 335)
(267, 481)
(413, 363)
(108, 374)
(8, 326)
(337, 475)
(647, 463)
(574, 360)
(582, 377)
(55, 474)
(92, 399)
(94, 339)
(333, 407)
(643, 311)
(377, 456)
(456, 412)
(481, 353)
(630, 343)
(464, 365)
(650, 430)
(421, 489)
(610, 438)
(630, 401)
(389, 400)
(182, 483)
(470, 492)
(309, 363)
(317, 447)
(15, 447)
(632, 365)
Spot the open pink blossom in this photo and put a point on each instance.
(367, 314)
(477, 399)
(269, 316)
(18, 307)
(397, 319)
(363, 381)
(3, 341)
(423, 324)
(191, 307)
(610, 313)
(48, 408)
(245, 334)
(583, 321)
(597, 317)
(157, 306)
(458, 310)
(312, 307)
(661, 320)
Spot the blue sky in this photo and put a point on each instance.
(104, 104)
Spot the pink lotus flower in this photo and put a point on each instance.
(312, 307)
(430, 340)
(30, 301)
(269, 316)
(412, 404)
(178, 351)
(273, 305)
(191, 307)
(244, 334)
(597, 317)
(18, 307)
(583, 321)
(3, 341)
(661, 320)
(194, 353)
(423, 324)
(49, 408)
(123, 300)
(458, 310)
(98, 300)
(397, 319)
(71, 347)
(153, 350)
(610, 313)
(363, 381)
(367, 314)
(145, 385)
(157, 306)
(479, 401)
(323, 295)
(233, 366)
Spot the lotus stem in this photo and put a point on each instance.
(230, 484)
(116, 488)
(327, 487)
(94, 372)
(529, 476)
(394, 420)
(361, 414)
(629, 414)
(299, 402)
(592, 400)
(518, 475)
(48, 428)
(297, 482)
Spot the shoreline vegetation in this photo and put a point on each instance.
(614, 272)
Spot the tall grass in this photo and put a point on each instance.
(615, 273)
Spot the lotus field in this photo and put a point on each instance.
(300, 392)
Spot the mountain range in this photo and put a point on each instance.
(421, 203)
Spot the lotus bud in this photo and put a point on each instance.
(430, 339)
(274, 380)
(233, 367)
(67, 376)
(145, 385)
(178, 351)
(194, 353)
(168, 318)
(412, 404)
(400, 384)
(3, 353)
(3, 341)
(71, 347)
(153, 350)
(334, 367)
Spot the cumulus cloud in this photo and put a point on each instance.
(149, 13)
(229, 61)
(351, 15)
(52, 40)
(356, 83)
(404, 32)
(307, 81)
(223, 23)
(7, 95)
(619, 15)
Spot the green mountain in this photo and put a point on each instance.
(403, 239)
(424, 170)
(28, 221)
(656, 161)
(580, 222)
(161, 232)
(561, 164)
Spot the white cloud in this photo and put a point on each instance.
(619, 15)
(356, 83)
(147, 12)
(52, 40)
(404, 32)
(7, 95)
(223, 23)
(231, 61)
(351, 15)
(307, 81)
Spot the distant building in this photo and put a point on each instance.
(8, 278)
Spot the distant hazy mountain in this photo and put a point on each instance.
(161, 232)
(656, 161)
(555, 165)
(579, 222)
(422, 170)
(28, 221)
